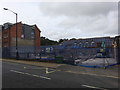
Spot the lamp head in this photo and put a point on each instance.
(5, 8)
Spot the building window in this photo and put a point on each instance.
(80, 44)
(23, 32)
(6, 26)
(86, 44)
(5, 35)
(92, 44)
(75, 45)
(22, 36)
(5, 44)
(32, 34)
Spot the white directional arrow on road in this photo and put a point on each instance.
(47, 72)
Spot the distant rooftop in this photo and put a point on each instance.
(95, 37)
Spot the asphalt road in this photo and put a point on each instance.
(16, 75)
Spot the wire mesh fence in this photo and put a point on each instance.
(72, 55)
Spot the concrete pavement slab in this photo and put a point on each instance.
(36, 63)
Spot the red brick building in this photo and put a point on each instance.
(27, 36)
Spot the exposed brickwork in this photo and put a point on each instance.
(37, 36)
(13, 33)
(10, 39)
(6, 38)
(13, 30)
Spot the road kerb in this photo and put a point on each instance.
(36, 63)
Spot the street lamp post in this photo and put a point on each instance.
(16, 31)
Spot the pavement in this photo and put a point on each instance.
(34, 62)
(19, 75)
(100, 61)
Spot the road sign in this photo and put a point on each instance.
(103, 44)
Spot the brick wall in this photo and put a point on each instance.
(13, 34)
(6, 38)
(10, 40)
(37, 37)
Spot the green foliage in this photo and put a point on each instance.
(61, 40)
(73, 39)
(46, 41)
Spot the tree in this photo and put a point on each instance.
(46, 41)
(61, 40)
(73, 39)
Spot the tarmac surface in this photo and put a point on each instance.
(23, 75)
(111, 71)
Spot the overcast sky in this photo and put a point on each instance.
(58, 20)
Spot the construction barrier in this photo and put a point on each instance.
(60, 54)
(94, 66)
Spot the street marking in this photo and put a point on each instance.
(30, 74)
(44, 77)
(49, 71)
(46, 70)
(68, 71)
(24, 67)
(94, 87)
(94, 74)
(32, 68)
(27, 73)
(16, 71)
(100, 75)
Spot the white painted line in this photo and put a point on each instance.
(94, 74)
(35, 75)
(49, 71)
(45, 77)
(16, 71)
(111, 76)
(31, 74)
(27, 73)
(93, 87)
(101, 75)
(24, 67)
(46, 70)
(32, 68)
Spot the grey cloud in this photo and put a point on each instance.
(92, 24)
(79, 20)
(77, 8)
